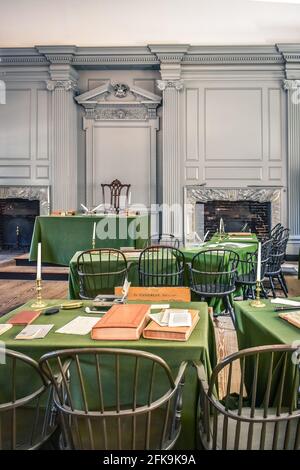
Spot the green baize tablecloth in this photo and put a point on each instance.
(200, 346)
(217, 304)
(62, 236)
(259, 327)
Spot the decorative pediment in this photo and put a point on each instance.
(119, 101)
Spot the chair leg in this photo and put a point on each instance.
(263, 290)
(272, 286)
(281, 276)
(282, 285)
(229, 309)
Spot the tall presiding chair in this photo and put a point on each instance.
(274, 266)
(166, 239)
(248, 271)
(213, 273)
(161, 266)
(259, 410)
(27, 420)
(115, 398)
(99, 271)
(115, 190)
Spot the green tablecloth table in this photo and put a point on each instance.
(200, 346)
(62, 236)
(243, 248)
(262, 326)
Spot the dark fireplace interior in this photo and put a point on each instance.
(17, 218)
(235, 214)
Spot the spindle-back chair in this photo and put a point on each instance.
(161, 266)
(134, 402)
(100, 271)
(265, 413)
(27, 418)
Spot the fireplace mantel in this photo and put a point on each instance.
(197, 193)
(40, 193)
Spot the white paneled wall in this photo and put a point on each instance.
(24, 135)
(234, 133)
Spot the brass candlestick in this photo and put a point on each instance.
(93, 243)
(39, 304)
(257, 303)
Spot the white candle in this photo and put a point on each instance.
(94, 231)
(129, 198)
(258, 263)
(39, 263)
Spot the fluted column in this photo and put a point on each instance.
(63, 144)
(293, 93)
(172, 192)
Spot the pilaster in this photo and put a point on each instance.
(63, 85)
(170, 58)
(293, 106)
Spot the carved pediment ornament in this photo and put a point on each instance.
(121, 90)
(101, 104)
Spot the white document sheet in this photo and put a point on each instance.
(179, 318)
(290, 303)
(79, 326)
(4, 327)
(238, 245)
(34, 332)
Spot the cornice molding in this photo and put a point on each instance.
(152, 55)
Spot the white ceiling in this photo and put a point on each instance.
(25, 23)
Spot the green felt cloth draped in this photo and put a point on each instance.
(62, 236)
(200, 346)
(249, 246)
(263, 326)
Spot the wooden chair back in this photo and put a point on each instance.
(115, 398)
(115, 189)
(161, 266)
(261, 409)
(99, 271)
(26, 416)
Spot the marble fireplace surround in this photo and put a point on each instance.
(198, 193)
(40, 193)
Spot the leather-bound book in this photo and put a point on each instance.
(171, 333)
(122, 322)
(25, 317)
(292, 317)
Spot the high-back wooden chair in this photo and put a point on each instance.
(274, 266)
(115, 189)
(27, 420)
(260, 409)
(213, 273)
(100, 271)
(161, 266)
(134, 402)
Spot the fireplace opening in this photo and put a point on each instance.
(251, 216)
(17, 218)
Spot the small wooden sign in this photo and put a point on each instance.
(157, 294)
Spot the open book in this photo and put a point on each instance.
(171, 333)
